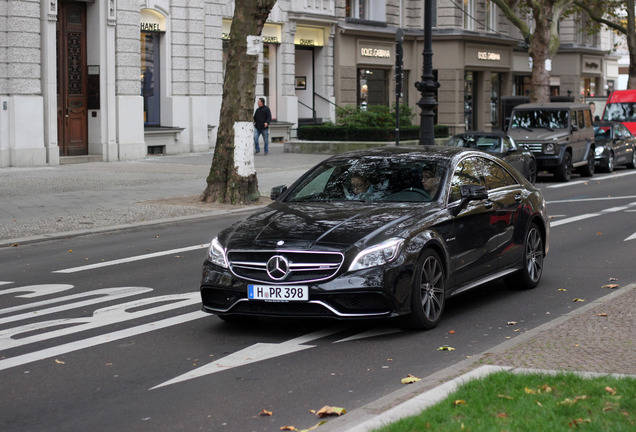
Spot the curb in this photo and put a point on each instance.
(430, 390)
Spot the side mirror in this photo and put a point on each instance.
(470, 193)
(277, 191)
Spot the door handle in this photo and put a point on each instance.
(488, 204)
(518, 198)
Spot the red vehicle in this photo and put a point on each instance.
(621, 107)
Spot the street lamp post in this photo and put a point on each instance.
(427, 85)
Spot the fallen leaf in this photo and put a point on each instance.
(610, 390)
(501, 415)
(452, 332)
(410, 379)
(314, 426)
(561, 289)
(459, 402)
(445, 348)
(512, 322)
(14, 245)
(265, 413)
(546, 388)
(330, 411)
(503, 396)
(610, 286)
(578, 300)
(602, 314)
(530, 391)
(291, 428)
(579, 421)
(612, 279)
(70, 250)
(59, 361)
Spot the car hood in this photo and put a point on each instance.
(329, 225)
(520, 134)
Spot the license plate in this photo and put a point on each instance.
(278, 293)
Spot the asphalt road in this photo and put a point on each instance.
(105, 333)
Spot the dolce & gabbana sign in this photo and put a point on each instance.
(378, 53)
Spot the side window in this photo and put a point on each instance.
(467, 172)
(588, 118)
(575, 121)
(508, 145)
(581, 116)
(496, 176)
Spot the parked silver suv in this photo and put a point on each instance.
(560, 135)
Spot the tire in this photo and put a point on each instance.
(632, 164)
(564, 171)
(587, 170)
(608, 165)
(530, 273)
(428, 293)
(532, 172)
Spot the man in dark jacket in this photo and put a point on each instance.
(262, 119)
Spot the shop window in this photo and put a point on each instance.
(523, 84)
(150, 78)
(373, 87)
(372, 10)
(495, 94)
(469, 100)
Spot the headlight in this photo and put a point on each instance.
(549, 148)
(216, 253)
(377, 255)
(598, 151)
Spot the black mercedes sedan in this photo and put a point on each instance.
(615, 145)
(385, 233)
(502, 145)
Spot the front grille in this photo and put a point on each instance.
(302, 266)
(534, 147)
(282, 309)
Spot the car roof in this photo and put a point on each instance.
(430, 151)
(482, 133)
(552, 105)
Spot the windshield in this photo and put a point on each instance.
(540, 119)
(395, 179)
(482, 142)
(622, 112)
(602, 132)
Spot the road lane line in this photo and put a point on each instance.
(573, 219)
(130, 259)
(591, 179)
(98, 340)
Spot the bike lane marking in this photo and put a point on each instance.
(98, 340)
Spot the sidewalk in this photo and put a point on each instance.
(46, 202)
(40, 203)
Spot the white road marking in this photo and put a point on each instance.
(98, 340)
(573, 219)
(131, 259)
(5, 283)
(94, 297)
(37, 290)
(579, 182)
(255, 353)
(36, 332)
(631, 237)
(371, 333)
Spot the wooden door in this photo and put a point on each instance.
(71, 79)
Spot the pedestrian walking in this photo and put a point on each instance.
(262, 119)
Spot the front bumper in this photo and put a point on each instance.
(370, 293)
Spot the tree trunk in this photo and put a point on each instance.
(631, 43)
(539, 50)
(232, 178)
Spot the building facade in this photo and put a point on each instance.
(113, 80)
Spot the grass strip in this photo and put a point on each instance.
(505, 401)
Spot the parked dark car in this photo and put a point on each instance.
(615, 145)
(358, 236)
(501, 145)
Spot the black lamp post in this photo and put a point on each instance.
(427, 86)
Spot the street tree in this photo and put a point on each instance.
(542, 38)
(620, 16)
(232, 178)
